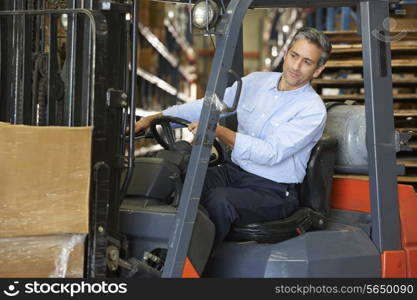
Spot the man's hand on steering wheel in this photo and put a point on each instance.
(192, 127)
(167, 140)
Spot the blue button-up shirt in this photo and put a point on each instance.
(276, 129)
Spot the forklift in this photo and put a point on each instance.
(366, 234)
(145, 219)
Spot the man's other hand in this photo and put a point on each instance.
(193, 127)
(224, 134)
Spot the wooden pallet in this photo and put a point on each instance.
(345, 83)
(407, 129)
(358, 63)
(361, 97)
(351, 36)
(405, 112)
(412, 145)
(356, 49)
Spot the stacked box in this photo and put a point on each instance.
(44, 192)
(53, 256)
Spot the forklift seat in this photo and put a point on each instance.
(314, 195)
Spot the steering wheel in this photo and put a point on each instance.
(167, 138)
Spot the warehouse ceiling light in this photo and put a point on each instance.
(205, 14)
(64, 21)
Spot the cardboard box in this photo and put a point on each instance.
(54, 256)
(44, 180)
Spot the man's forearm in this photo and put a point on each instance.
(144, 123)
(226, 135)
(155, 116)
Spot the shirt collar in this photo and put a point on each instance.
(274, 82)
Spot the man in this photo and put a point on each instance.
(280, 119)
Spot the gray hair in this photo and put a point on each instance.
(317, 38)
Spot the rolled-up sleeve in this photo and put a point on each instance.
(191, 111)
(286, 139)
(188, 111)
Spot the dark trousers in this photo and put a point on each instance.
(233, 196)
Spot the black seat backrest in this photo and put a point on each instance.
(316, 188)
(314, 201)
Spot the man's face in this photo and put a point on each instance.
(300, 65)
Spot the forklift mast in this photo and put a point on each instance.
(75, 75)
